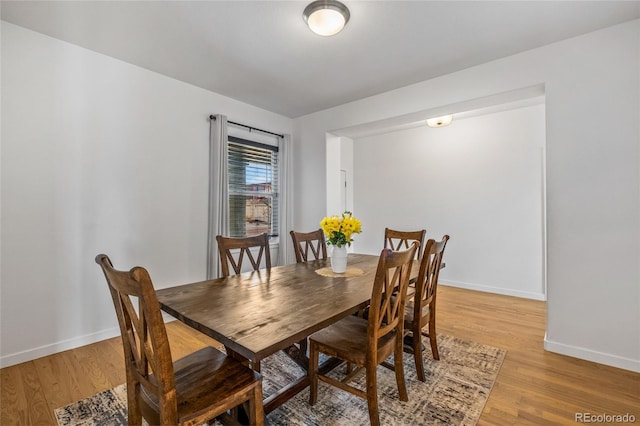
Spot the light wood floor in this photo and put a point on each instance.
(533, 387)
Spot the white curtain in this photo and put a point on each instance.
(218, 191)
(285, 250)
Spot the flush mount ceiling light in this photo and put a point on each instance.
(445, 120)
(326, 17)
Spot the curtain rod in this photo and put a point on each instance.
(213, 117)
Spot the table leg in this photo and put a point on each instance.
(298, 355)
(292, 389)
(235, 355)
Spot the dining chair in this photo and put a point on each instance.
(366, 343)
(421, 310)
(233, 251)
(401, 240)
(190, 391)
(305, 241)
(302, 243)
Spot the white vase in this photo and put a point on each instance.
(339, 259)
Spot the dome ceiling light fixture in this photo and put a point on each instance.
(445, 120)
(326, 17)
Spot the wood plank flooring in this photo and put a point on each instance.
(533, 387)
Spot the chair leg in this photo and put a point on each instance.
(372, 394)
(432, 337)
(313, 373)
(417, 354)
(398, 367)
(256, 410)
(134, 413)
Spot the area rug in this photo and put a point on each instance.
(455, 392)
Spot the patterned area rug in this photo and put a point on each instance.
(455, 392)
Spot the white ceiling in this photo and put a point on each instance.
(261, 52)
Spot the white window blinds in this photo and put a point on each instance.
(253, 188)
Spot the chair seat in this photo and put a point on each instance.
(347, 339)
(408, 314)
(206, 378)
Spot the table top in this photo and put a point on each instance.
(258, 313)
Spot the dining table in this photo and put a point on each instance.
(258, 313)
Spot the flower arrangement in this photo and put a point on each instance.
(340, 229)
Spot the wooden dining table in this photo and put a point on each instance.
(256, 314)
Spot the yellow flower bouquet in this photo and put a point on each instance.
(340, 229)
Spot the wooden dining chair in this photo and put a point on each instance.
(233, 251)
(421, 310)
(402, 240)
(191, 391)
(366, 343)
(305, 241)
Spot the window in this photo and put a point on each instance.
(253, 188)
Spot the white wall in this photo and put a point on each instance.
(339, 161)
(333, 165)
(593, 184)
(478, 180)
(98, 156)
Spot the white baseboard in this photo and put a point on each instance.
(591, 355)
(64, 345)
(496, 290)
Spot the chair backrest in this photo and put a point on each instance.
(402, 240)
(386, 309)
(427, 282)
(305, 241)
(144, 337)
(242, 246)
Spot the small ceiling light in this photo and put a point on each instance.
(326, 17)
(445, 120)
